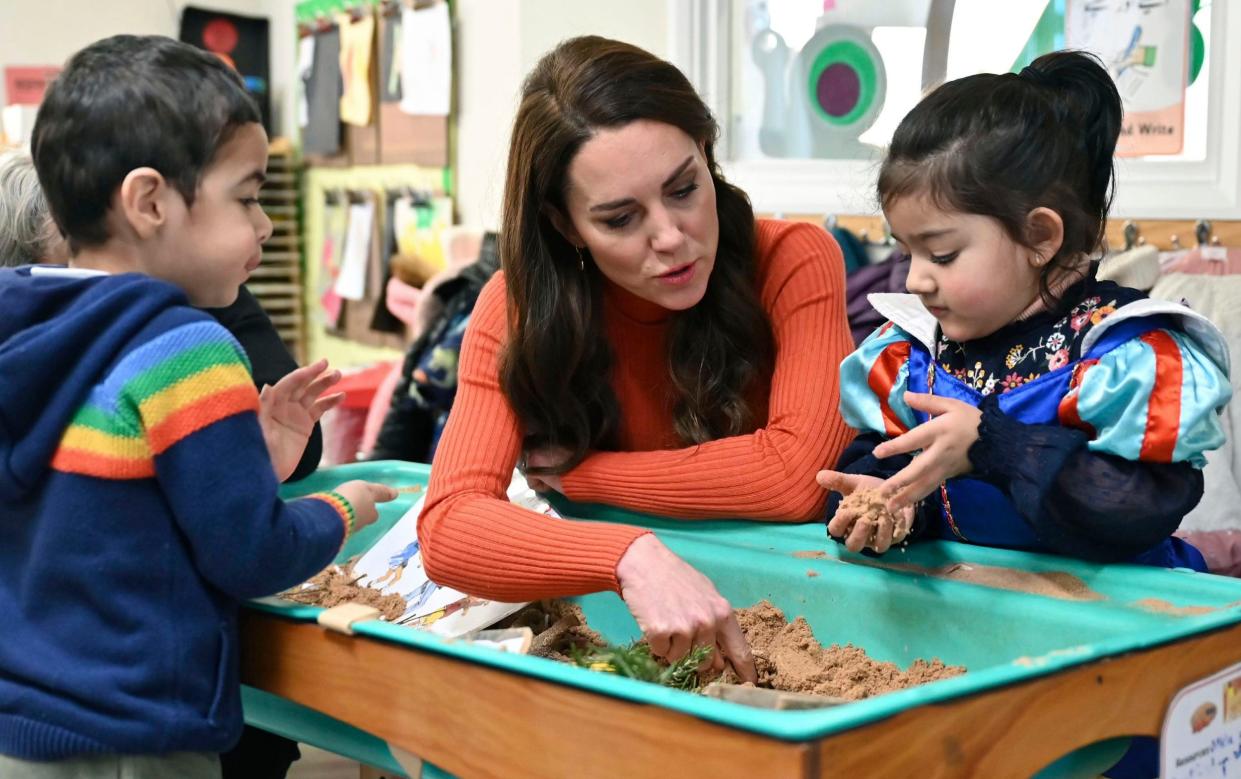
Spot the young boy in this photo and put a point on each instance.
(138, 501)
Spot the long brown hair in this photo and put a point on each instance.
(556, 369)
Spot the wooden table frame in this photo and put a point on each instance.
(475, 721)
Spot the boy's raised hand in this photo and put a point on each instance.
(363, 495)
(289, 410)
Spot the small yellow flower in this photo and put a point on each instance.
(1100, 314)
(603, 666)
(1014, 355)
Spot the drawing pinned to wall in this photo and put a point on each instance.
(336, 226)
(420, 222)
(1145, 47)
(352, 277)
(357, 43)
(241, 42)
(24, 87)
(426, 52)
(26, 84)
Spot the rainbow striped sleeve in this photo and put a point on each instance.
(873, 380)
(1156, 398)
(163, 391)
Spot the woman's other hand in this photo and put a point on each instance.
(678, 608)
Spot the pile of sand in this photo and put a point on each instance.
(786, 654)
(788, 657)
(558, 626)
(335, 585)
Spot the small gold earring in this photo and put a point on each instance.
(581, 263)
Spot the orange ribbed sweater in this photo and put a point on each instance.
(474, 540)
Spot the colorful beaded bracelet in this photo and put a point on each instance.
(348, 509)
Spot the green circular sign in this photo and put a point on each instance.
(848, 66)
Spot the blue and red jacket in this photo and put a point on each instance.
(1061, 457)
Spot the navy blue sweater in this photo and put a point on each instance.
(138, 507)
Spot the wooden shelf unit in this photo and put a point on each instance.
(278, 282)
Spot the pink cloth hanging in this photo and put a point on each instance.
(1206, 261)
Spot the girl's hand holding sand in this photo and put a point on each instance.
(944, 441)
(863, 520)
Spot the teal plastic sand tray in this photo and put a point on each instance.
(1062, 659)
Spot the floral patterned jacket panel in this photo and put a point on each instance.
(1022, 351)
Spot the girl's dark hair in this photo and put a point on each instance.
(1002, 145)
(556, 369)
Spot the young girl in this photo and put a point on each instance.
(1049, 411)
(1052, 412)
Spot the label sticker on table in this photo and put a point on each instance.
(1202, 729)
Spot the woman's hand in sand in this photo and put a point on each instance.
(289, 410)
(945, 441)
(363, 495)
(678, 608)
(544, 458)
(862, 520)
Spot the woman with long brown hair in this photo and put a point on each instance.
(648, 344)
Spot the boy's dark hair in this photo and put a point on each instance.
(1003, 145)
(129, 102)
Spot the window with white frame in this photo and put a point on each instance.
(810, 91)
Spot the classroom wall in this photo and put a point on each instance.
(499, 41)
(488, 75)
(47, 32)
(544, 23)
